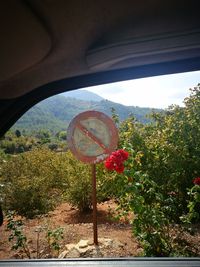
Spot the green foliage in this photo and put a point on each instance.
(19, 239)
(17, 236)
(62, 135)
(150, 225)
(54, 236)
(53, 146)
(44, 136)
(150, 207)
(109, 185)
(164, 158)
(168, 150)
(40, 117)
(79, 191)
(14, 143)
(17, 133)
(11, 144)
(193, 214)
(179, 147)
(34, 181)
(79, 184)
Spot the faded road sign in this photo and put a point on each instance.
(92, 136)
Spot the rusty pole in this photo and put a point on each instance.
(94, 204)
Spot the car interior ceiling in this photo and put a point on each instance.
(48, 47)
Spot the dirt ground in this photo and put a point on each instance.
(76, 226)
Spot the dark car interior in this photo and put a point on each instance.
(51, 46)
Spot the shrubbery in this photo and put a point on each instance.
(14, 143)
(34, 181)
(79, 192)
(157, 182)
(168, 150)
(80, 189)
(193, 214)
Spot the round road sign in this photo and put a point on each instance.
(92, 136)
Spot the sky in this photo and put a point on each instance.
(155, 92)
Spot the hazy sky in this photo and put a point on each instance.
(157, 92)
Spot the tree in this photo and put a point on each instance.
(17, 133)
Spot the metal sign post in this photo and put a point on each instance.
(91, 137)
(94, 204)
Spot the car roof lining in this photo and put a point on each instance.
(67, 31)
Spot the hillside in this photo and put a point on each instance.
(55, 113)
(83, 95)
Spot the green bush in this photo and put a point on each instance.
(79, 177)
(168, 150)
(14, 143)
(79, 190)
(34, 181)
(193, 215)
(164, 158)
(150, 225)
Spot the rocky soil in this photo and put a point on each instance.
(115, 237)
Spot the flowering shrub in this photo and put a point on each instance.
(193, 206)
(116, 161)
(196, 181)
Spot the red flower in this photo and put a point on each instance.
(115, 161)
(119, 168)
(109, 165)
(124, 154)
(196, 181)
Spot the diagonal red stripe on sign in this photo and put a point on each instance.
(91, 136)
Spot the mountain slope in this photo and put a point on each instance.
(55, 113)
